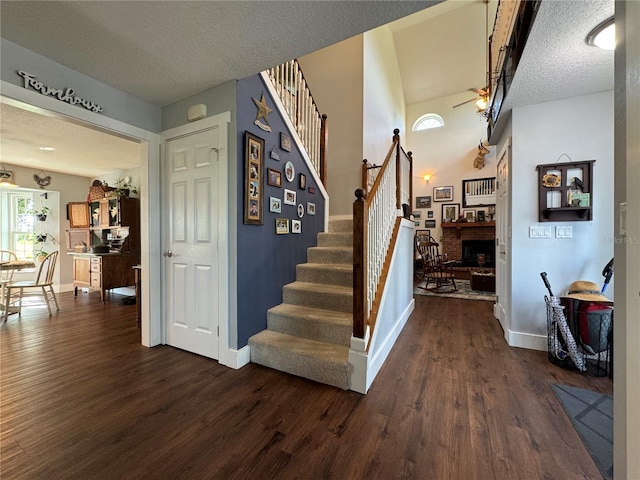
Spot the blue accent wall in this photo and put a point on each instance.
(267, 261)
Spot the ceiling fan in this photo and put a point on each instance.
(483, 94)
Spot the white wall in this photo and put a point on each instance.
(582, 128)
(334, 75)
(383, 106)
(446, 153)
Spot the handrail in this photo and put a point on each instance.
(309, 124)
(375, 224)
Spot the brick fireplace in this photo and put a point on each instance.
(478, 237)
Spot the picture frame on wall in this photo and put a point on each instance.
(296, 226)
(289, 171)
(275, 205)
(416, 214)
(443, 194)
(480, 216)
(450, 212)
(430, 214)
(311, 208)
(282, 226)
(254, 179)
(274, 177)
(285, 142)
(303, 181)
(429, 224)
(423, 202)
(289, 197)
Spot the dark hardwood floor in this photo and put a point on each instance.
(81, 399)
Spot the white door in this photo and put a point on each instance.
(503, 240)
(192, 207)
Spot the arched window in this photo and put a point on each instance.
(429, 120)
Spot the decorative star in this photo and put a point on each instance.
(263, 111)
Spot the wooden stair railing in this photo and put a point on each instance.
(309, 124)
(375, 227)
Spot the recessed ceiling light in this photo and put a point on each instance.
(604, 35)
(47, 149)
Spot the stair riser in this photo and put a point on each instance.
(316, 369)
(314, 273)
(335, 239)
(324, 255)
(338, 301)
(312, 329)
(341, 225)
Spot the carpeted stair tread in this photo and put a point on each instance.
(335, 239)
(341, 255)
(318, 295)
(328, 273)
(313, 323)
(323, 362)
(340, 225)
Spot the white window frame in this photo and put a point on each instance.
(428, 121)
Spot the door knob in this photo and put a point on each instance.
(168, 253)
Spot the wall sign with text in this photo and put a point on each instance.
(62, 94)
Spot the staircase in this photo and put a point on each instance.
(309, 333)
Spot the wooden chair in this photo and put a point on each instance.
(420, 237)
(438, 270)
(41, 286)
(7, 256)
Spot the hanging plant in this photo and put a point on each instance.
(41, 213)
(41, 238)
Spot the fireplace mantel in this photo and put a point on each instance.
(460, 225)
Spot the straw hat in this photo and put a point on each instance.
(587, 291)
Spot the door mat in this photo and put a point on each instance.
(464, 291)
(592, 416)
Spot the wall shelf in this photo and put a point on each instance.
(559, 187)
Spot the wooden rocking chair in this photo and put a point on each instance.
(438, 269)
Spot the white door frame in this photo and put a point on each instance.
(149, 190)
(504, 293)
(221, 121)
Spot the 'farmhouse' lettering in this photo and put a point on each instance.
(64, 95)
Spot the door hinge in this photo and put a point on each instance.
(218, 330)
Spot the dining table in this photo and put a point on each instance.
(11, 265)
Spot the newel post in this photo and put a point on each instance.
(359, 263)
(324, 140)
(365, 176)
(396, 140)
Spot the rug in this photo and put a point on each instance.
(464, 291)
(592, 416)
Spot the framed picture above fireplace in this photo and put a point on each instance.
(450, 212)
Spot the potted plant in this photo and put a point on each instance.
(124, 188)
(41, 238)
(41, 213)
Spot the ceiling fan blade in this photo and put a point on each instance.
(460, 104)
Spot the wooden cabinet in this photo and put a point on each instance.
(111, 221)
(81, 272)
(565, 191)
(103, 272)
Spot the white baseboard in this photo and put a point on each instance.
(526, 340)
(235, 358)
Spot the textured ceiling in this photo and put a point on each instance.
(81, 150)
(166, 51)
